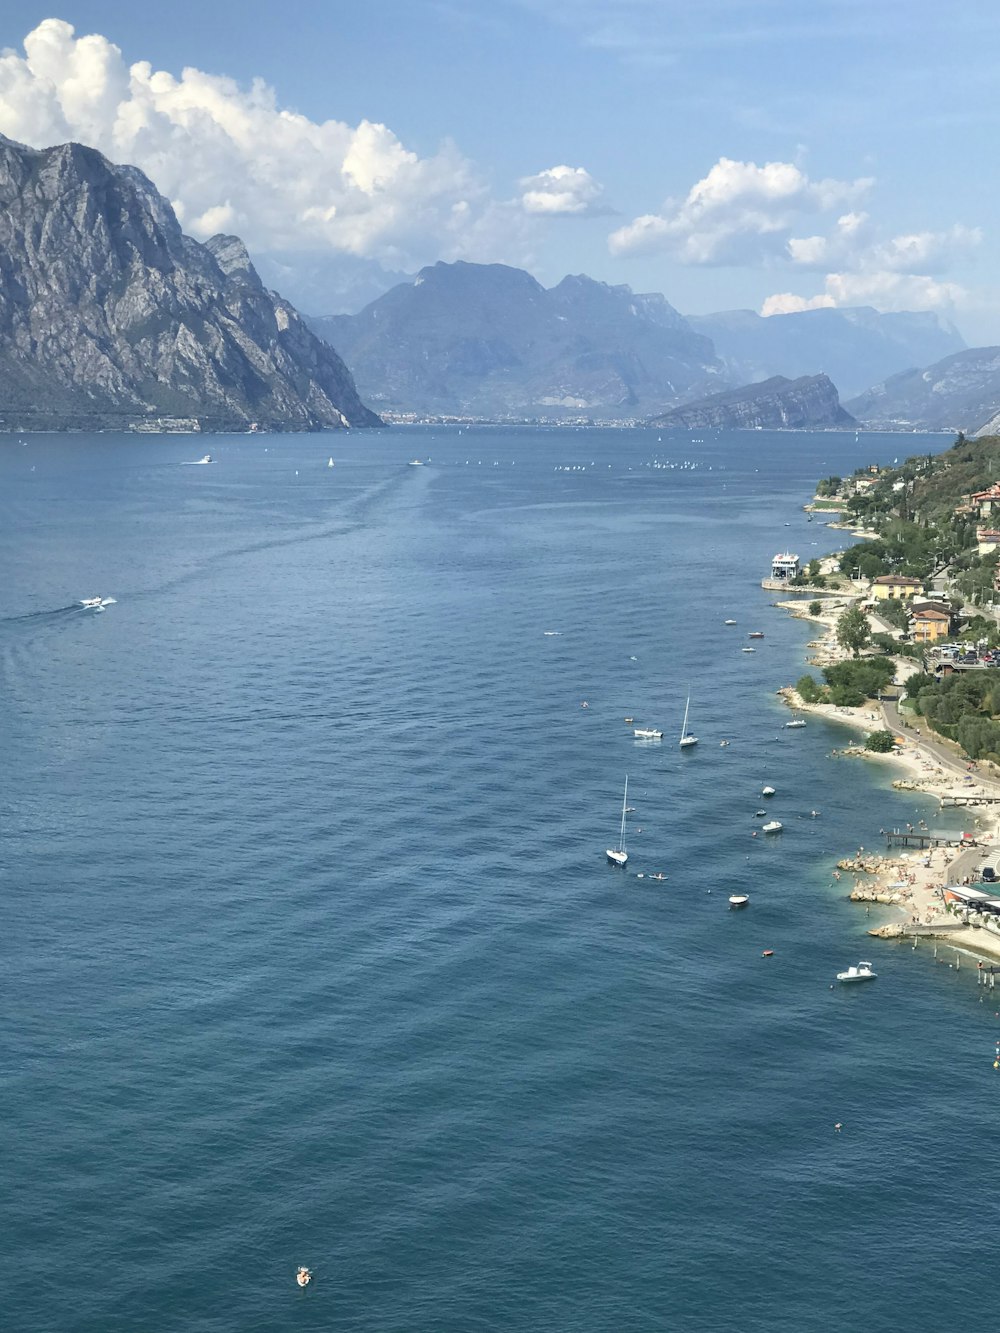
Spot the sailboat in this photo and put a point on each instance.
(686, 738)
(618, 855)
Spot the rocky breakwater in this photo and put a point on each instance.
(110, 317)
(808, 403)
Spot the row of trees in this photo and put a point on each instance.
(962, 707)
(848, 684)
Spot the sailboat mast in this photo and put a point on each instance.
(621, 836)
(684, 724)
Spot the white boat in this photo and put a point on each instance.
(729, 622)
(329, 462)
(96, 603)
(303, 1277)
(739, 899)
(767, 791)
(687, 739)
(748, 650)
(647, 734)
(756, 634)
(772, 826)
(416, 462)
(618, 855)
(795, 722)
(863, 972)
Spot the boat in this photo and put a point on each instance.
(768, 953)
(618, 855)
(647, 734)
(759, 814)
(748, 650)
(863, 972)
(303, 1277)
(772, 826)
(329, 462)
(729, 622)
(687, 739)
(96, 603)
(416, 462)
(756, 634)
(767, 791)
(795, 722)
(739, 899)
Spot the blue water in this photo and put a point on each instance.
(311, 950)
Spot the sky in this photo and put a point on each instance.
(771, 155)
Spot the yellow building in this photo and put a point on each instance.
(898, 586)
(929, 624)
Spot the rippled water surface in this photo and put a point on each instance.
(312, 953)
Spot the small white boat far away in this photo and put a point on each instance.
(772, 826)
(96, 603)
(618, 855)
(739, 899)
(863, 972)
(303, 1277)
(647, 734)
(687, 739)
(416, 462)
(729, 622)
(197, 462)
(795, 722)
(767, 791)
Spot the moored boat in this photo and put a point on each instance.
(739, 899)
(795, 722)
(772, 826)
(618, 856)
(863, 972)
(647, 734)
(303, 1277)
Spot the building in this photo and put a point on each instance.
(784, 567)
(987, 540)
(986, 501)
(930, 623)
(898, 586)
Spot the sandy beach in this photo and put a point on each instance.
(911, 883)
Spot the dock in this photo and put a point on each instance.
(925, 840)
(948, 802)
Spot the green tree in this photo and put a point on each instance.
(894, 613)
(810, 690)
(815, 607)
(852, 630)
(880, 741)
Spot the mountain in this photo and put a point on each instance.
(961, 392)
(111, 317)
(489, 341)
(856, 347)
(808, 403)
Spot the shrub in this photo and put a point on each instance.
(881, 742)
(810, 690)
(815, 608)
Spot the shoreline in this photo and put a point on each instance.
(910, 884)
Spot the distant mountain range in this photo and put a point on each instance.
(489, 341)
(960, 392)
(807, 403)
(856, 347)
(111, 317)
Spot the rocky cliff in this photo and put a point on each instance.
(111, 317)
(489, 341)
(808, 403)
(960, 392)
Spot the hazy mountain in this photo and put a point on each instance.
(111, 316)
(961, 392)
(487, 340)
(808, 403)
(855, 347)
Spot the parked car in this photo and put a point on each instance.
(989, 874)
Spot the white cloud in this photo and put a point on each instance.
(231, 157)
(739, 213)
(565, 190)
(786, 303)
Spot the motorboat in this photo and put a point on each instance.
(795, 722)
(416, 462)
(303, 1277)
(729, 622)
(647, 734)
(756, 634)
(618, 856)
(748, 650)
(760, 814)
(767, 791)
(96, 603)
(772, 826)
(739, 899)
(863, 972)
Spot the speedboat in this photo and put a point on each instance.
(748, 650)
(795, 722)
(92, 603)
(416, 462)
(772, 826)
(303, 1277)
(729, 622)
(760, 814)
(739, 899)
(863, 972)
(647, 734)
(756, 634)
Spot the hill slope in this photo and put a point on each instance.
(809, 402)
(961, 392)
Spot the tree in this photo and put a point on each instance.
(893, 612)
(881, 742)
(815, 608)
(852, 630)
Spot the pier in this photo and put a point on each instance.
(948, 802)
(925, 840)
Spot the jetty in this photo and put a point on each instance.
(925, 840)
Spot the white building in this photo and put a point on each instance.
(784, 566)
